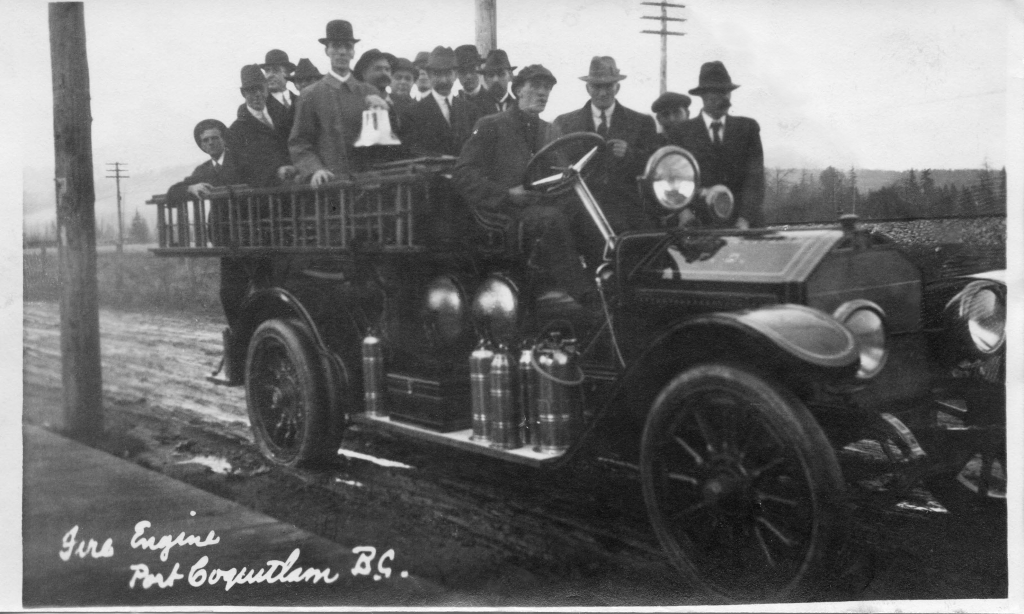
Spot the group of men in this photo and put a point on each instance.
(494, 128)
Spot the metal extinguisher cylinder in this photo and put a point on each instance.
(373, 375)
(558, 407)
(526, 382)
(479, 395)
(503, 419)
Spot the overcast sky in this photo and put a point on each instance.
(865, 83)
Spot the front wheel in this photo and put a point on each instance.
(742, 486)
(286, 396)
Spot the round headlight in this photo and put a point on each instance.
(674, 176)
(985, 314)
(866, 321)
(496, 307)
(445, 307)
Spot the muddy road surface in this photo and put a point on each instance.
(490, 535)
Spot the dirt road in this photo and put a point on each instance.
(492, 535)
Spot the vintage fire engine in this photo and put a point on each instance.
(728, 367)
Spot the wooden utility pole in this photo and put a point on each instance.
(119, 168)
(664, 33)
(486, 26)
(76, 224)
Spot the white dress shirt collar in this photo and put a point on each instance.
(259, 115)
(331, 72)
(220, 161)
(595, 113)
(282, 96)
(444, 102)
(707, 125)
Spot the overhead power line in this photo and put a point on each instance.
(664, 33)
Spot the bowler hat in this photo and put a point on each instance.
(442, 58)
(252, 76)
(468, 57)
(533, 72)
(713, 77)
(276, 57)
(339, 31)
(369, 58)
(603, 70)
(404, 65)
(497, 60)
(421, 60)
(305, 70)
(206, 124)
(670, 101)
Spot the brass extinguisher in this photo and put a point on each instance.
(479, 367)
(373, 374)
(526, 382)
(559, 411)
(503, 418)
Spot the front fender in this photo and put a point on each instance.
(803, 332)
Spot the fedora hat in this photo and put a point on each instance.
(497, 60)
(305, 70)
(442, 58)
(421, 60)
(603, 70)
(252, 75)
(669, 101)
(713, 77)
(404, 65)
(206, 124)
(276, 57)
(339, 31)
(533, 72)
(369, 58)
(468, 57)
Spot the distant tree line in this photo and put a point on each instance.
(799, 195)
(106, 232)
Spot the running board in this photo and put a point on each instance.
(524, 455)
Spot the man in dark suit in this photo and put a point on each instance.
(629, 136)
(403, 77)
(219, 170)
(305, 74)
(261, 149)
(728, 148)
(671, 109)
(473, 90)
(282, 102)
(497, 74)
(489, 175)
(439, 123)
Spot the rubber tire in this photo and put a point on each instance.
(288, 343)
(783, 418)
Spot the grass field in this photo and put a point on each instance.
(147, 283)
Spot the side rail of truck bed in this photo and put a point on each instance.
(371, 210)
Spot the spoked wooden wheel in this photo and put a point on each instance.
(741, 485)
(284, 392)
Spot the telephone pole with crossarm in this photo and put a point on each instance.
(664, 32)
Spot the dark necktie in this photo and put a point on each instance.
(716, 129)
(448, 108)
(602, 128)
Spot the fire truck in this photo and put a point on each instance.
(727, 367)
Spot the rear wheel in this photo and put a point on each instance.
(742, 486)
(286, 396)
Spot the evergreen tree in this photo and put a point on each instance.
(965, 204)
(831, 182)
(928, 195)
(139, 231)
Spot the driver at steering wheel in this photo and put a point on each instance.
(489, 174)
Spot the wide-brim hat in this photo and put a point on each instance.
(339, 31)
(442, 58)
(421, 60)
(533, 72)
(468, 57)
(276, 57)
(669, 101)
(252, 75)
(305, 70)
(713, 77)
(603, 70)
(369, 58)
(404, 65)
(206, 124)
(497, 60)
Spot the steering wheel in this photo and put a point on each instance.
(552, 170)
